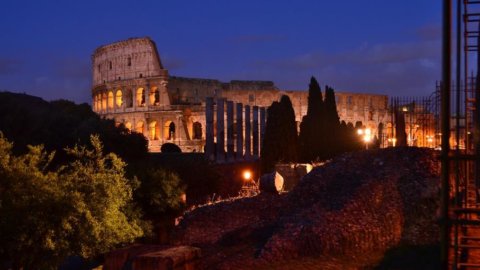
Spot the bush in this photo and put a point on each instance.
(170, 148)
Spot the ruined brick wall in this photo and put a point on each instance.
(131, 86)
(128, 59)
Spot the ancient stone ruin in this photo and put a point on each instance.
(346, 214)
(131, 86)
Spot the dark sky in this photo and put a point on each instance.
(389, 47)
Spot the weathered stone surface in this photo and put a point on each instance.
(152, 257)
(271, 183)
(131, 86)
(343, 215)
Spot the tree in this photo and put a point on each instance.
(160, 192)
(331, 125)
(82, 208)
(400, 128)
(311, 141)
(281, 136)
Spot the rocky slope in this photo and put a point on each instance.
(343, 215)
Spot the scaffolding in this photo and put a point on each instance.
(460, 144)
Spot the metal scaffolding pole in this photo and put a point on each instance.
(445, 124)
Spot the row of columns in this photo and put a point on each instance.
(252, 118)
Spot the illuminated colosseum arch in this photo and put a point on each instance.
(197, 131)
(119, 98)
(140, 97)
(139, 127)
(154, 96)
(128, 125)
(104, 102)
(110, 100)
(153, 130)
(169, 130)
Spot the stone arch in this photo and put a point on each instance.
(110, 100)
(153, 130)
(95, 103)
(119, 98)
(197, 131)
(104, 101)
(128, 125)
(154, 96)
(139, 127)
(140, 96)
(169, 130)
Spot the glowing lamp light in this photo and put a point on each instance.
(247, 175)
(360, 131)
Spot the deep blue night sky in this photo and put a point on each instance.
(390, 47)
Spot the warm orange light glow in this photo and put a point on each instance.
(360, 131)
(247, 175)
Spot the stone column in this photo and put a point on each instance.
(255, 132)
(220, 130)
(146, 92)
(230, 143)
(263, 121)
(248, 133)
(239, 155)
(209, 149)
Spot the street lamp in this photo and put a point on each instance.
(366, 135)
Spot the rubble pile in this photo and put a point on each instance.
(354, 208)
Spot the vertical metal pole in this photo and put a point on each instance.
(445, 122)
(477, 120)
(457, 125)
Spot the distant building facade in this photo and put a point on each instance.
(131, 86)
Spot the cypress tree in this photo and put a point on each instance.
(311, 139)
(270, 151)
(331, 124)
(281, 137)
(289, 130)
(400, 128)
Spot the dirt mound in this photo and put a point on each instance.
(353, 209)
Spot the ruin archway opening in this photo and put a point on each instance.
(104, 102)
(169, 130)
(128, 126)
(153, 130)
(140, 97)
(139, 127)
(154, 96)
(110, 100)
(197, 131)
(119, 98)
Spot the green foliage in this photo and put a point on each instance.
(83, 208)
(281, 139)
(160, 192)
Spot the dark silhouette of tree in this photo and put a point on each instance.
(311, 140)
(400, 128)
(331, 125)
(170, 148)
(289, 130)
(281, 139)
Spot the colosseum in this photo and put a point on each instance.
(131, 86)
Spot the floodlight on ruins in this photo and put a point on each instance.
(247, 175)
(366, 135)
